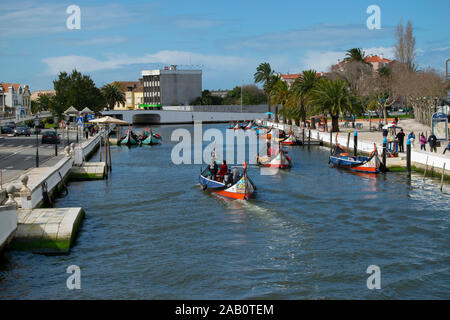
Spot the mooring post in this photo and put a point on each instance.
(384, 154)
(309, 139)
(408, 156)
(331, 142)
(109, 155)
(303, 137)
(355, 143)
(348, 139)
(442, 177)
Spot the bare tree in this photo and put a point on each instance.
(405, 48)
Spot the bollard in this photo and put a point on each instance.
(331, 142)
(11, 202)
(408, 156)
(309, 139)
(25, 193)
(384, 154)
(355, 143)
(303, 138)
(56, 149)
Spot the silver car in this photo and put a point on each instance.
(22, 131)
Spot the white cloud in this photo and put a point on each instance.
(321, 61)
(89, 64)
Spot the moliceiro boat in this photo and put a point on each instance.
(279, 160)
(234, 186)
(340, 158)
(290, 140)
(150, 138)
(130, 138)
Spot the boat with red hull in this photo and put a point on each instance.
(341, 159)
(239, 188)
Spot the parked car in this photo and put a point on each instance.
(22, 131)
(7, 130)
(50, 136)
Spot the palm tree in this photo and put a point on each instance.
(279, 95)
(113, 94)
(355, 54)
(333, 97)
(301, 90)
(264, 75)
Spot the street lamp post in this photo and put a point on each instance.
(241, 96)
(36, 124)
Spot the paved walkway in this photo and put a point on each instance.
(408, 125)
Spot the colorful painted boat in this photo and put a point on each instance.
(130, 139)
(242, 189)
(290, 140)
(151, 138)
(341, 159)
(248, 126)
(281, 160)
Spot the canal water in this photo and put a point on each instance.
(150, 232)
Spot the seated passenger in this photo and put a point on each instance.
(223, 169)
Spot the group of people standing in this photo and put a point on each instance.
(432, 141)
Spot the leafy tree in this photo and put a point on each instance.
(333, 97)
(300, 92)
(113, 94)
(265, 75)
(355, 55)
(279, 95)
(76, 90)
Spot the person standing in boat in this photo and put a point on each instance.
(213, 169)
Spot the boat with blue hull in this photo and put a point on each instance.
(341, 159)
(239, 187)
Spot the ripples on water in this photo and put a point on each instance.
(151, 233)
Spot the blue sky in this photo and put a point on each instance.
(228, 39)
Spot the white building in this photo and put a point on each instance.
(171, 87)
(15, 100)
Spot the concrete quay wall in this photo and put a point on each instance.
(419, 159)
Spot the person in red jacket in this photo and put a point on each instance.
(223, 170)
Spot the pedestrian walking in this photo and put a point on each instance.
(423, 142)
(447, 147)
(432, 140)
(412, 137)
(401, 137)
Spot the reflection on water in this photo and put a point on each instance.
(310, 233)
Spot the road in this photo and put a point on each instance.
(18, 154)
